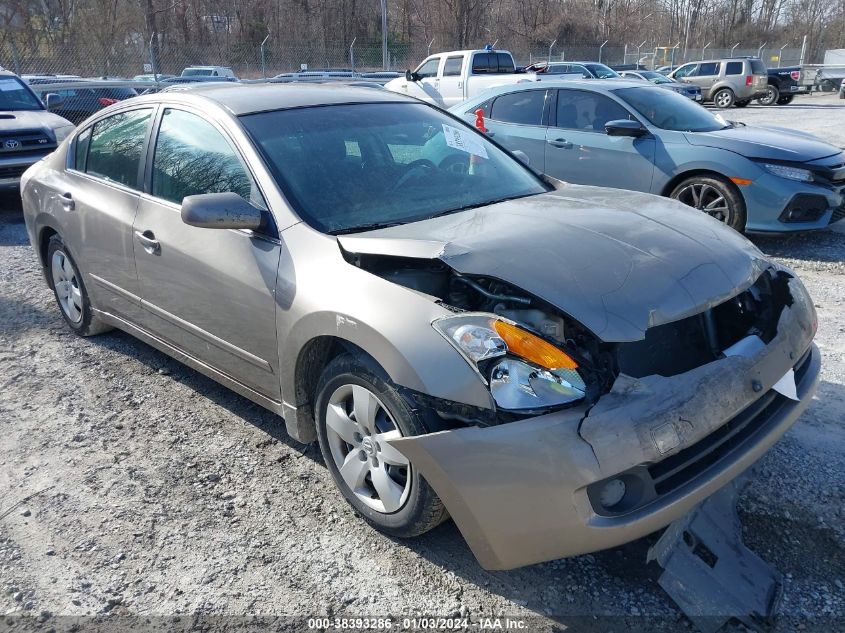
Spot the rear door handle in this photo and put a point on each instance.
(67, 201)
(149, 242)
(560, 142)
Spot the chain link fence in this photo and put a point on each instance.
(254, 61)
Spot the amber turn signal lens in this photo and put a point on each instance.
(533, 348)
(740, 181)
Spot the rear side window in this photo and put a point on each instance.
(452, 67)
(429, 68)
(733, 68)
(708, 69)
(116, 144)
(193, 157)
(525, 108)
(80, 150)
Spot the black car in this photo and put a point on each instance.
(784, 84)
(77, 104)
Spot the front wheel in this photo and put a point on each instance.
(724, 98)
(771, 97)
(358, 412)
(714, 196)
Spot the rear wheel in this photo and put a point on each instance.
(358, 412)
(724, 98)
(69, 290)
(785, 99)
(714, 196)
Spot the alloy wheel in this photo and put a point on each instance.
(724, 99)
(67, 286)
(358, 427)
(770, 97)
(707, 198)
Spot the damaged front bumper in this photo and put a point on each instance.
(528, 491)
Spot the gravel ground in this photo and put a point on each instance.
(132, 486)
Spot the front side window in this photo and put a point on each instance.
(581, 70)
(192, 157)
(708, 69)
(581, 110)
(429, 68)
(525, 108)
(452, 67)
(116, 145)
(14, 95)
(686, 71)
(603, 72)
(670, 111)
(415, 162)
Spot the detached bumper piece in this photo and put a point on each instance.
(710, 573)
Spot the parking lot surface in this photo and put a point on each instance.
(131, 485)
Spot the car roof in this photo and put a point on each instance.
(250, 98)
(592, 85)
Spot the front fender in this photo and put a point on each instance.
(324, 295)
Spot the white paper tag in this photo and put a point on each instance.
(463, 141)
(786, 386)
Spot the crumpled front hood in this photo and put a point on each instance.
(765, 143)
(14, 120)
(616, 261)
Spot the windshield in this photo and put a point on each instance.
(356, 167)
(670, 111)
(602, 72)
(14, 95)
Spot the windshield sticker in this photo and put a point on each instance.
(7, 85)
(465, 142)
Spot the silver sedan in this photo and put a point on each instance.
(558, 368)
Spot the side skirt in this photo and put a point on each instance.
(218, 376)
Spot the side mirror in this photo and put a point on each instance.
(410, 75)
(220, 211)
(624, 127)
(521, 156)
(53, 101)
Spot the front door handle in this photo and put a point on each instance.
(560, 142)
(149, 242)
(67, 201)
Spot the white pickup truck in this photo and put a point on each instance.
(446, 79)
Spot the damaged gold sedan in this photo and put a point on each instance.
(558, 368)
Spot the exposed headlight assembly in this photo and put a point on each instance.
(792, 173)
(524, 371)
(63, 132)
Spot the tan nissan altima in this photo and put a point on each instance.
(558, 368)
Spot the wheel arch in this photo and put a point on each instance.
(680, 177)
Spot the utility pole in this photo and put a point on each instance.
(602, 48)
(384, 60)
(352, 55)
(803, 50)
(551, 46)
(263, 61)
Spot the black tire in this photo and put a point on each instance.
(735, 217)
(724, 98)
(827, 85)
(422, 509)
(743, 103)
(87, 324)
(786, 99)
(771, 97)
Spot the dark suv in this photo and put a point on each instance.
(77, 104)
